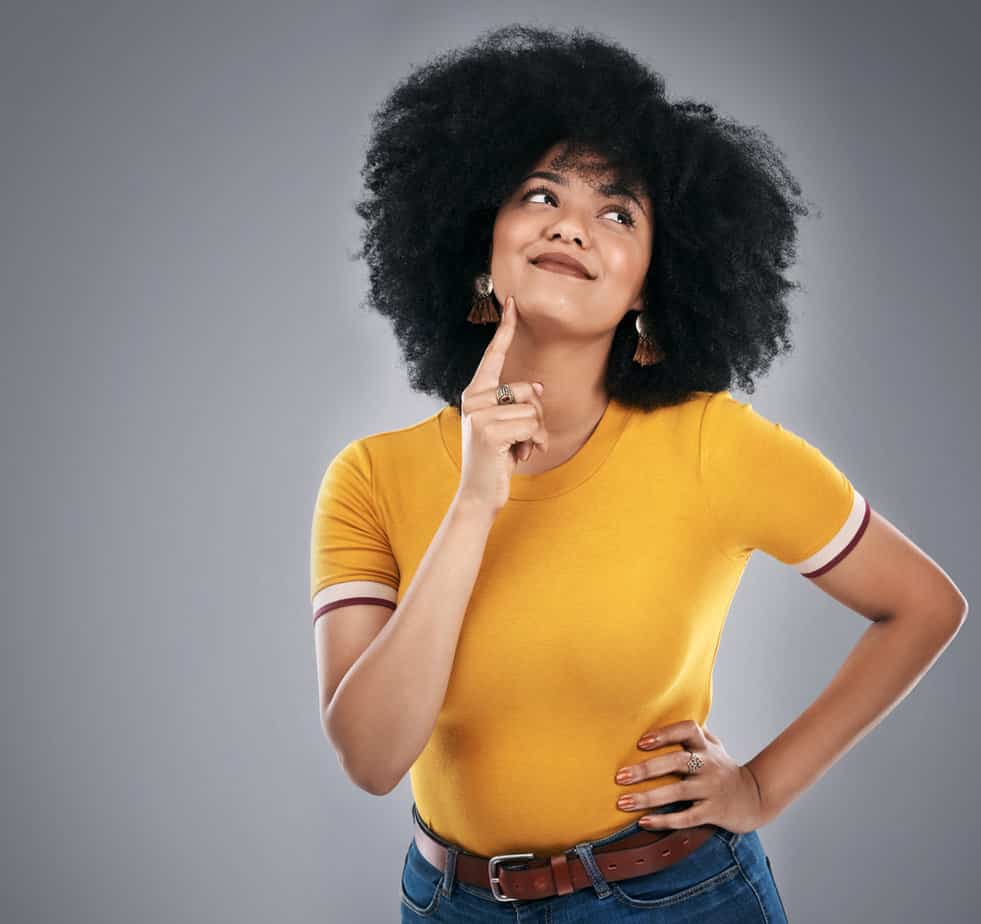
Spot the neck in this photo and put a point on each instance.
(573, 373)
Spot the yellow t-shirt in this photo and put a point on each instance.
(599, 604)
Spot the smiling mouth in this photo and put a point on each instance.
(562, 268)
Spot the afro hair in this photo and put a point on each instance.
(451, 143)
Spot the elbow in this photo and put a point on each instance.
(959, 606)
(373, 787)
(354, 769)
(961, 616)
(380, 790)
(372, 784)
(956, 617)
(958, 612)
(945, 622)
(943, 612)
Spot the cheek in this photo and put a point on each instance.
(508, 216)
(626, 265)
(511, 232)
(514, 237)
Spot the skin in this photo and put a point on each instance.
(726, 792)
(565, 325)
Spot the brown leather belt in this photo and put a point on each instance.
(559, 874)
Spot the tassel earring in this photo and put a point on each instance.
(647, 353)
(482, 307)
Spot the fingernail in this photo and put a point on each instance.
(646, 742)
(538, 387)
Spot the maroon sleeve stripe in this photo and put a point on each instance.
(348, 601)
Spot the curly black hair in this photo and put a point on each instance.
(450, 144)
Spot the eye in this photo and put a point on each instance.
(538, 191)
(626, 214)
(628, 221)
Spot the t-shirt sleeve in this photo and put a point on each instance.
(351, 558)
(767, 488)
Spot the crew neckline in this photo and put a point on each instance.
(564, 477)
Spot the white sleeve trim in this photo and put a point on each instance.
(346, 592)
(841, 543)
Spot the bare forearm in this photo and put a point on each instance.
(886, 663)
(385, 708)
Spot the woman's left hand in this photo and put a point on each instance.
(724, 792)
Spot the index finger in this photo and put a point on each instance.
(488, 374)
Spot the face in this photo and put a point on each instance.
(569, 212)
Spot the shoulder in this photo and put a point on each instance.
(722, 406)
(724, 418)
(684, 419)
(381, 444)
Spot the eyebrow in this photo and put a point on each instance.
(617, 190)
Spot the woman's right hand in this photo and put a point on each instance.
(495, 436)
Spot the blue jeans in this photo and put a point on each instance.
(726, 880)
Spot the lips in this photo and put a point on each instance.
(562, 259)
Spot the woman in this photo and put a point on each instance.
(526, 584)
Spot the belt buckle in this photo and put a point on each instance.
(495, 880)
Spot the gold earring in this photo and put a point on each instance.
(647, 353)
(482, 307)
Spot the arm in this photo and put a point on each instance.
(916, 610)
(383, 711)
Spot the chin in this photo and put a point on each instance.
(545, 298)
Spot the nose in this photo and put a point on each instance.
(578, 238)
(566, 226)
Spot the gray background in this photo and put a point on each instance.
(182, 355)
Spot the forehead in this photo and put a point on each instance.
(565, 163)
(591, 168)
(567, 158)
